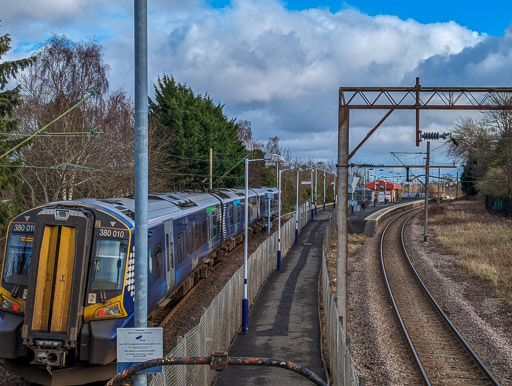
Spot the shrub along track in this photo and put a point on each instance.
(442, 355)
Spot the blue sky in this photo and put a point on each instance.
(491, 17)
(279, 65)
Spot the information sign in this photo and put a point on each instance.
(136, 345)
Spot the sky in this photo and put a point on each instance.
(279, 64)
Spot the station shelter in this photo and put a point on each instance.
(386, 191)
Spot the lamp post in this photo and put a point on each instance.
(245, 300)
(279, 221)
(297, 209)
(316, 187)
(324, 189)
(312, 210)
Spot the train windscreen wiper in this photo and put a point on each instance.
(22, 274)
(97, 270)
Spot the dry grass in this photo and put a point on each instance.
(483, 242)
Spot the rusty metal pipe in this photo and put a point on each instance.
(219, 362)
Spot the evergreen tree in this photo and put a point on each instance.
(9, 100)
(195, 124)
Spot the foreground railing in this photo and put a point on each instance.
(340, 366)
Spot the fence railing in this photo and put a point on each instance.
(341, 367)
(499, 206)
(223, 318)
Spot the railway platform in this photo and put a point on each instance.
(284, 321)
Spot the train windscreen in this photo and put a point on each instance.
(108, 265)
(17, 259)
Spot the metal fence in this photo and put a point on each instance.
(499, 206)
(223, 318)
(341, 368)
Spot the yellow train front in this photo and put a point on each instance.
(62, 292)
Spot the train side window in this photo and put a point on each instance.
(231, 216)
(197, 236)
(181, 248)
(158, 259)
(204, 234)
(190, 240)
(214, 225)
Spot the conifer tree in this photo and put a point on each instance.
(9, 100)
(196, 124)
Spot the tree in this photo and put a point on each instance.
(9, 99)
(92, 155)
(193, 124)
(244, 130)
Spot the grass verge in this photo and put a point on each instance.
(482, 241)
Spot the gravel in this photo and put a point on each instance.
(483, 320)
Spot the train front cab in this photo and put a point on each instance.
(62, 287)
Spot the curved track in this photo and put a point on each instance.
(442, 355)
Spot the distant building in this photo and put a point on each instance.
(385, 190)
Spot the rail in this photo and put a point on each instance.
(432, 300)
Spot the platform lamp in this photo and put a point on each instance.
(245, 301)
(279, 217)
(297, 208)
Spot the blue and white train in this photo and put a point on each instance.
(67, 279)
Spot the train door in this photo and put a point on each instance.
(57, 282)
(169, 254)
(211, 219)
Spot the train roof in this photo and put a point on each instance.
(160, 205)
(164, 205)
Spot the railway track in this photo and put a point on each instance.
(442, 355)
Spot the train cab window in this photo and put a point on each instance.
(181, 247)
(157, 250)
(190, 240)
(17, 259)
(197, 236)
(108, 265)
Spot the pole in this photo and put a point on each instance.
(375, 186)
(141, 169)
(245, 300)
(277, 173)
(211, 168)
(297, 210)
(426, 191)
(316, 187)
(457, 187)
(312, 209)
(279, 226)
(438, 186)
(268, 213)
(364, 188)
(342, 214)
(324, 189)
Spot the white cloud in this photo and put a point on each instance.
(279, 69)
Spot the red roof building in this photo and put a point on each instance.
(384, 186)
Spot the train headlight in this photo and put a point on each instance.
(108, 312)
(10, 306)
